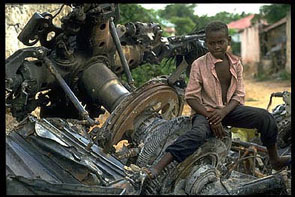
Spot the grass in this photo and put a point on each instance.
(282, 75)
(251, 100)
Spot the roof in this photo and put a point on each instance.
(280, 22)
(242, 23)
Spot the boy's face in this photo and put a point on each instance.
(217, 43)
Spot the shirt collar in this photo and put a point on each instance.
(232, 58)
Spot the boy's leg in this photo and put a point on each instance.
(260, 119)
(185, 144)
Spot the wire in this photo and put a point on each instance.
(58, 11)
(224, 187)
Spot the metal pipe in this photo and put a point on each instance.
(68, 91)
(121, 54)
(102, 86)
(248, 144)
(273, 184)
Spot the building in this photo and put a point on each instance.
(263, 47)
(275, 41)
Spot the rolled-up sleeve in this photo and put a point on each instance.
(239, 94)
(194, 86)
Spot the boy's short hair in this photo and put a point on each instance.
(216, 26)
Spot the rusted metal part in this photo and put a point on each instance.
(120, 52)
(103, 86)
(101, 39)
(176, 74)
(154, 96)
(234, 165)
(259, 148)
(133, 54)
(68, 91)
(132, 152)
(248, 158)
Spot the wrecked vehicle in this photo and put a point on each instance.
(76, 75)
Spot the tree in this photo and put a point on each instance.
(134, 13)
(273, 13)
(227, 17)
(183, 25)
(178, 10)
(181, 15)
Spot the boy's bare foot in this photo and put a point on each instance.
(282, 162)
(151, 172)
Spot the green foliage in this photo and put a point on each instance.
(236, 48)
(201, 22)
(284, 75)
(227, 17)
(178, 10)
(262, 77)
(184, 20)
(147, 71)
(232, 32)
(135, 12)
(273, 13)
(183, 25)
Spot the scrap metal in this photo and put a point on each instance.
(57, 153)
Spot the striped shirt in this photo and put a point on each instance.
(204, 85)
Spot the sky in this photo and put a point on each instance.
(210, 9)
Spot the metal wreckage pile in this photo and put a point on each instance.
(65, 152)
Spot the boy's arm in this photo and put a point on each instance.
(217, 129)
(218, 114)
(194, 88)
(197, 107)
(239, 94)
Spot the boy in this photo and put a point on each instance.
(215, 92)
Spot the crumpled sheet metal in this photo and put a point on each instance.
(60, 157)
(24, 186)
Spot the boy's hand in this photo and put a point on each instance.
(218, 130)
(216, 116)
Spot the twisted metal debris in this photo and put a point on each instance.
(59, 154)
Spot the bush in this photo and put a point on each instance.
(145, 72)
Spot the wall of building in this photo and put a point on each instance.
(250, 46)
(17, 15)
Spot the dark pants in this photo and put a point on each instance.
(241, 116)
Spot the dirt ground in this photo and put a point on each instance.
(257, 95)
